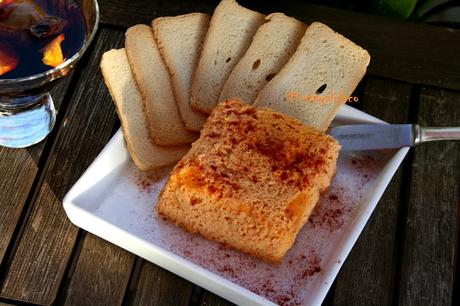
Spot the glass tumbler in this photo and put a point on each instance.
(27, 113)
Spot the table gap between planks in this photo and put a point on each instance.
(407, 254)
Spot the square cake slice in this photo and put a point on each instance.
(251, 180)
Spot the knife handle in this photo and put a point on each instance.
(424, 134)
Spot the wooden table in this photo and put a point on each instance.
(407, 254)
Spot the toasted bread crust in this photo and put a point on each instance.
(251, 180)
(180, 39)
(230, 33)
(271, 47)
(323, 60)
(154, 83)
(128, 103)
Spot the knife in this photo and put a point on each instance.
(389, 136)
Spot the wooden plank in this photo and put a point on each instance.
(400, 50)
(42, 255)
(157, 286)
(329, 299)
(210, 299)
(101, 274)
(125, 13)
(19, 168)
(367, 277)
(428, 263)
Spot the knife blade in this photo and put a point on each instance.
(373, 136)
(362, 137)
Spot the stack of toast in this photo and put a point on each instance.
(254, 174)
(180, 67)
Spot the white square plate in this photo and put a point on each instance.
(117, 202)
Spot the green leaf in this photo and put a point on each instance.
(393, 8)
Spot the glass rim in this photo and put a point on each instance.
(66, 63)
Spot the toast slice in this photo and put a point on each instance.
(128, 101)
(272, 46)
(230, 33)
(318, 79)
(180, 39)
(251, 180)
(154, 83)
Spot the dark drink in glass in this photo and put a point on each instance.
(40, 42)
(36, 35)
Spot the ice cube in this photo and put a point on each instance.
(8, 59)
(19, 14)
(47, 27)
(52, 53)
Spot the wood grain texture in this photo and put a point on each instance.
(19, 168)
(368, 275)
(128, 13)
(329, 299)
(101, 274)
(428, 261)
(157, 286)
(42, 255)
(210, 299)
(400, 50)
